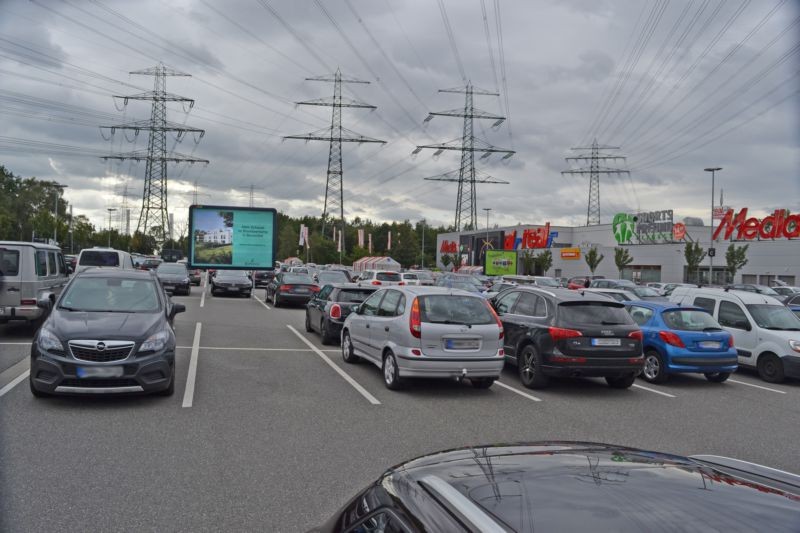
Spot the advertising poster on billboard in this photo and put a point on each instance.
(232, 238)
(500, 263)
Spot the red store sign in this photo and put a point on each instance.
(531, 238)
(449, 247)
(778, 225)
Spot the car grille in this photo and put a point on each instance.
(99, 382)
(87, 351)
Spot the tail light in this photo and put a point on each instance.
(315, 288)
(558, 334)
(496, 318)
(376, 282)
(636, 335)
(730, 341)
(402, 283)
(27, 302)
(414, 320)
(284, 288)
(336, 311)
(671, 338)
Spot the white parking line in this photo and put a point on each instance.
(262, 303)
(234, 349)
(15, 344)
(203, 297)
(648, 389)
(370, 398)
(756, 386)
(15, 382)
(516, 391)
(188, 394)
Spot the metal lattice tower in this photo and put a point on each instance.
(467, 175)
(335, 135)
(594, 171)
(154, 219)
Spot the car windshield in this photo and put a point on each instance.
(643, 292)
(353, 295)
(99, 258)
(231, 274)
(455, 309)
(332, 277)
(424, 275)
(9, 262)
(297, 279)
(171, 268)
(689, 320)
(388, 276)
(547, 282)
(116, 295)
(774, 317)
(593, 314)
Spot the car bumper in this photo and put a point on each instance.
(791, 366)
(294, 298)
(194, 280)
(59, 375)
(416, 366)
(23, 312)
(577, 366)
(232, 290)
(679, 364)
(172, 287)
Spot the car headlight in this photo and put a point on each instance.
(155, 342)
(185, 280)
(49, 342)
(794, 345)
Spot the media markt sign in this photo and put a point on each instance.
(650, 226)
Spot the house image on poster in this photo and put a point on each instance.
(216, 236)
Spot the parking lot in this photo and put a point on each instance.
(269, 430)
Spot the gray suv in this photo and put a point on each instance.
(426, 332)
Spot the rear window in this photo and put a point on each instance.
(593, 314)
(388, 276)
(689, 320)
(410, 276)
(454, 309)
(353, 295)
(99, 258)
(643, 292)
(9, 262)
(332, 277)
(297, 278)
(171, 268)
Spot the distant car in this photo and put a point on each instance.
(289, 287)
(32, 275)
(379, 278)
(263, 277)
(611, 283)
(498, 287)
(538, 281)
(560, 332)
(682, 340)
(410, 278)
(570, 486)
(324, 277)
(669, 287)
(235, 282)
(150, 264)
(630, 293)
(579, 282)
(327, 310)
(458, 280)
(171, 255)
(110, 332)
(752, 287)
(656, 285)
(174, 277)
(71, 261)
(195, 276)
(792, 300)
(425, 277)
(426, 332)
(299, 270)
(784, 290)
(102, 257)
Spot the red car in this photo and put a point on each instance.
(579, 282)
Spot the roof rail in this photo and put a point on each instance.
(460, 505)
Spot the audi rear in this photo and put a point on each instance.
(109, 333)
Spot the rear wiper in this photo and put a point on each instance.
(606, 323)
(443, 322)
(712, 328)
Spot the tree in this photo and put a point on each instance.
(543, 262)
(593, 259)
(736, 259)
(528, 262)
(622, 258)
(451, 259)
(694, 255)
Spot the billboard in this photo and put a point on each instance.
(500, 263)
(232, 238)
(570, 253)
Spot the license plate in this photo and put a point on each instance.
(99, 371)
(461, 344)
(606, 342)
(233, 289)
(169, 287)
(302, 291)
(710, 344)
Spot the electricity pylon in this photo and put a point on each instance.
(154, 219)
(467, 175)
(594, 171)
(335, 135)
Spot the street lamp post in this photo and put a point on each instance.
(59, 189)
(711, 250)
(422, 259)
(110, 210)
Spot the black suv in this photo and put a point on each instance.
(568, 333)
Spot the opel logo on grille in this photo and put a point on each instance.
(100, 346)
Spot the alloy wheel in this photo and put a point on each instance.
(389, 371)
(652, 367)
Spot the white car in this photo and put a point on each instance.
(765, 332)
(629, 294)
(379, 278)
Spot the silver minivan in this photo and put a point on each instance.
(32, 276)
(426, 332)
(103, 257)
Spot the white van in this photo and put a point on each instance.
(765, 332)
(32, 276)
(101, 256)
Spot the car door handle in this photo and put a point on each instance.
(386, 328)
(13, 289)
(367, 326)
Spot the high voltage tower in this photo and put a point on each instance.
(335, 135)
(154, 219)
(467, 175)
(594, 157)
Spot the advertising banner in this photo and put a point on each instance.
(500, 263)
(570, 253)
(232, 238)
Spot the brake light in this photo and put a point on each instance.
(336, 311)
(27, 302)
(496, 318)
(671, 338)
(558, 334)
(376, 282)
(636, 335)
(414, 320)
(402, 283)
(730, 341)
(315, 288)
(284, 288)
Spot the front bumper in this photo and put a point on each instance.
(579, 366)
(175, 287)
(22, 312)
(420, 366)
(54, 374)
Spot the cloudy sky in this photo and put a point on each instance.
(677, 85)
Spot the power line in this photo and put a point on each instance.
(594, 170)
(450, 37)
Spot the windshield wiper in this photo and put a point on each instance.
(776, 328)
(68, 308)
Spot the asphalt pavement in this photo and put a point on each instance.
(269, 430)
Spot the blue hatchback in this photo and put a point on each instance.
(682, 339)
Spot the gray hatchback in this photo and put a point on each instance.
(426, 332)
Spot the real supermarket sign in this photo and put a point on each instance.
(778, 225)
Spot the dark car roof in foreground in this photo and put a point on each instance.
(567, 295)
(580, 486)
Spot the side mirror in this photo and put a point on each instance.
(355, 308)
(177, 308)
(43, 302)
